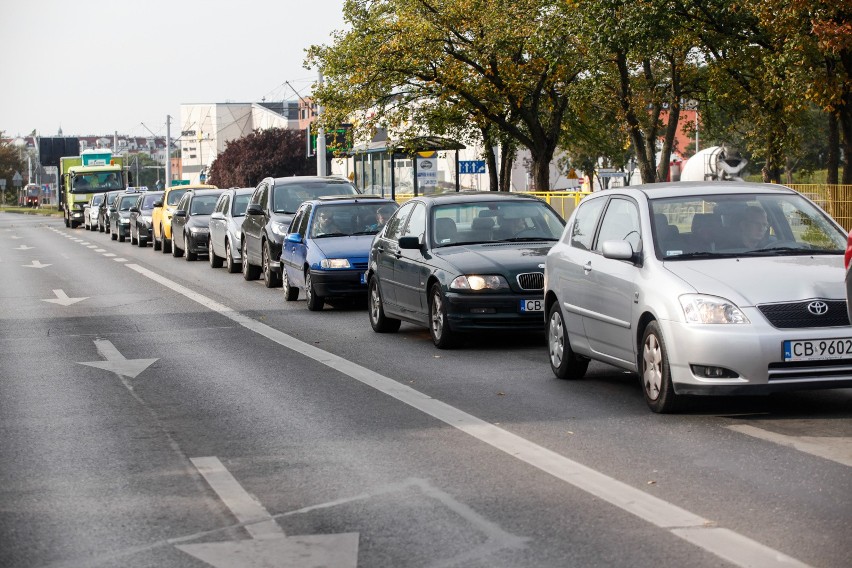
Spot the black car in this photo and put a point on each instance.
(190, 223)
(462, 262)
(119, 215)
(271, 208)
(140, 218)
(105, 209)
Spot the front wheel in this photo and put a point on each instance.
(215, 261)
(190, 256)
(439, 328)
(249, 272)
(378, 320)
(315, 301)
(655, 372)
(291, 292)
(232, 266)
(563, 362)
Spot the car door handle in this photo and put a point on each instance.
(397, 254)
(587, 267)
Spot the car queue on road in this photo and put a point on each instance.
(707, 288)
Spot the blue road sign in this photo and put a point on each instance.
(472, 166)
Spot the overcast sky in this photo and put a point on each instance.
(100, 67)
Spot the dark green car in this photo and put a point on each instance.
(462, 262)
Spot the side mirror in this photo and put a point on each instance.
(293, 238)
(412, 243)
(218, 216)
(618, 250)
(180, 213)
(158, 203)
(134, 210)
(254, 209)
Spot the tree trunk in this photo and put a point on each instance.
(833, 160)
(491, 162)
(507, 160)
(625, 95)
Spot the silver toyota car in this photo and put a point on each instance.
(701, 288)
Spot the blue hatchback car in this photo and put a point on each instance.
(326, 248)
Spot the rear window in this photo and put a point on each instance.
(287, 198)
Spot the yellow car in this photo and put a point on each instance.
(161, 216)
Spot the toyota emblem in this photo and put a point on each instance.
(818, 308)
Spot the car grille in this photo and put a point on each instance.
(360, 265)
(796, 315)
(531, 281)
(804, 370)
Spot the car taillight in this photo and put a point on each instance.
(848, 256)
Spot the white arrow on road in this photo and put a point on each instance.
(36, 264)
(24, 247)
(269, 545)
(63, 300)
(115, 361)
(16, 237)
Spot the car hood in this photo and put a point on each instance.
(496, 257)
(345, 247)
(760, 280)
(198, 221)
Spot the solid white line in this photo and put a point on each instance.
(693, 528)
(258, 522)
(834, 448)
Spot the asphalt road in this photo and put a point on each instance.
(176, 415)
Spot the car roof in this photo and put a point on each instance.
(696, 188)
(206, 191)
(474, 196)
(191, 186)
(302, 179)
(351, 199)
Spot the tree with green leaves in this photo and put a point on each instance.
(274, 152)
(506, 65)
(10, 162)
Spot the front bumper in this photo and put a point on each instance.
(197, 242)
(755, 352)
(337, 283)
(475, 312)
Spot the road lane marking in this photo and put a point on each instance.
(36, 264)
(106, 254)
(63, 300)
(701, 532)
(116, 362)
(24, 247)
(834, 448)
(120, 259)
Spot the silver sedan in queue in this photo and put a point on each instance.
(225, 224)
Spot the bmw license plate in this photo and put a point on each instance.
(532, 305)
(818, 349)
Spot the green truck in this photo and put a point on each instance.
(80, 177)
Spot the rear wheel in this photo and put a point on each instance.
(113, 235)
(315, 301)
(158, 244)
(290, 292)
(121, 237)
(564, 363)
(270, 278)
(442, 336)
(655, 372)
(167, 243)
(378, 320)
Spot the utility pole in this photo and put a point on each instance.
(168, 180)
(322, 160)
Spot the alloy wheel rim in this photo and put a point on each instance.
(309, 293)
(265, 262)
(375, 304)
(652, 373)
(556, 340)
(437, 316)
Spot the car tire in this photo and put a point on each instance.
(121, 237)
(158, 244)
(291, 293)
(376, 310)
(442, 336)
(270, 279)
(250, 272)
(132, 240)
(141, 242)
(232, 266)
(215, 261)
(189, 255)
(167, 243)
(315, 301)
(655, 373)
(564, 363)
(176, 252)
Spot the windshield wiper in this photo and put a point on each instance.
(701, 254)
(526, 239)
(373, 232)
(281, 211)
(782, 251)
(338, 234)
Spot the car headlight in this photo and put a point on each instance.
(199, 230)
(335, 263)
(279, 229)
(124, 221)
(710, 309)
(477, 282)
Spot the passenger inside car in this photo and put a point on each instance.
(706, 232)
(445, 231)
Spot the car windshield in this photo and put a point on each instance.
(497, 221)
(711, 226)
(127, 202)
(238, 209)
(97, 198)
(174, 196)
(348, 219)
(149, 200)
(287, 198)
(203, 204)
(89, 182)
